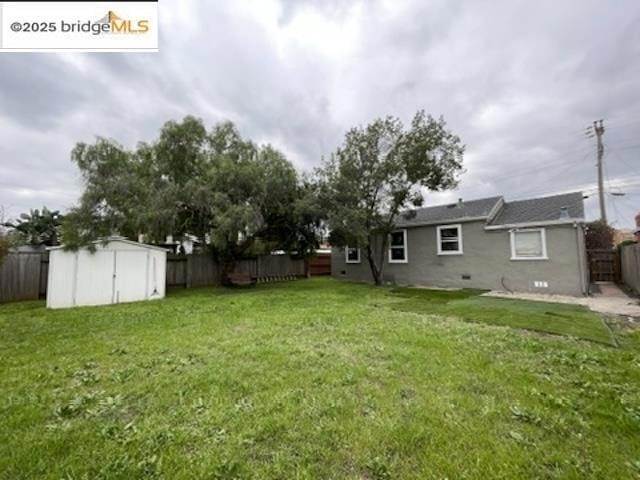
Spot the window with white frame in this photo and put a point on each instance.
(449, 239)
(398, 247)
(529, 244)
(352, 254)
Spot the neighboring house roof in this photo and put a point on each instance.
(497, 213)
(460, 211)
(545, 209)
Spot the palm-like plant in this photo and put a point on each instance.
(38, 228)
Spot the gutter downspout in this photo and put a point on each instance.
(581, 259)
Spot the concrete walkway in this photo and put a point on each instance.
(610, 300)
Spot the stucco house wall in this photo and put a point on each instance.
(485, 262)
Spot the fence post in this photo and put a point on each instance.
(188, 271)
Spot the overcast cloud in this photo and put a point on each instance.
(518, 81)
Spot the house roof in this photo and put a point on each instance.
(498, 213)
(544, 209)
(472, 210)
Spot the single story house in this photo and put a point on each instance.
(534, 245)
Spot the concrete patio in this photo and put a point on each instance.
(607, 298)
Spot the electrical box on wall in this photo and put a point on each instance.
(540, 284)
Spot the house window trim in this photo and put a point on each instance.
(543, 232)
(460, 250)
(406, 247)
(346, 255)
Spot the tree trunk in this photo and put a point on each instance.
(376, 272)
(228, 265)
(307, 269)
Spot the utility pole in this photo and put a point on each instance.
(598, 128)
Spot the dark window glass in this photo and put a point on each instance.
(448, 233)
(397, 254)
(397, 239)
(450, 246)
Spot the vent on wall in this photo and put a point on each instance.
(540, 284)
(466, 277)
(343, 272)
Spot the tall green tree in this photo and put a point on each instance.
(381, 170)
(38, 227)
(248, 199)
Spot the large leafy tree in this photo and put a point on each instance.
(246, 198)
(380, 171)
(38, 227)
(154, 190)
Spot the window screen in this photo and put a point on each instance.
(450, 241)
(528, 244)
(397, 247)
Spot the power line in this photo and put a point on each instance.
(628, 147)
(584, 187)
(619, 157)
(616, 122)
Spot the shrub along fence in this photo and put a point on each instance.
(630, 266)
(23, 276)
(202, 270)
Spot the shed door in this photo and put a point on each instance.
(131, 275)
(94, 280)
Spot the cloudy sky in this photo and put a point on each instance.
(518, 81)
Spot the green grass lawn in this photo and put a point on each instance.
(554, 318)
(316, 379)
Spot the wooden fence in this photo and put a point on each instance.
(320, 264)
(630, 263)
(604, 265)
(201, 270)
(23, 276)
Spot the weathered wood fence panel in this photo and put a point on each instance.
(604, 265)
(202, 270)
(176, 272)
(320, 264)
(279, 266)
(20, 277)
(23, 276)
(248, 266)
(630, 265)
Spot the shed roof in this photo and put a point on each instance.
(472, 210)
(107, 240)
(543, 209)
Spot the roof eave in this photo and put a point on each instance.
(443, 222)
(117, 239)
(544, 223)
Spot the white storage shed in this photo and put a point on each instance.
(118, 271)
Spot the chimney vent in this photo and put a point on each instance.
(564, 212)
(460, 204)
